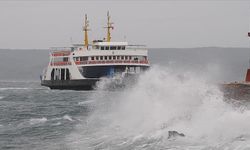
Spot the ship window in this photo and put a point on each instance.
(65, 59)
(101, 57)
(97, 47)
(92, 58)
(52, 74)
(145, 57)
(67, 74)
(118, 57)
(83, 58)
(77, 58)
(106, 48)
(57, 73)
(126, 57)
(62, 74)
(97, 58)
(105, 57)
(102, 48)
(119, 47)
(122, 57)
(114, 57)
(112, 48)
(130, 57)
(110, 57)
(123, 47)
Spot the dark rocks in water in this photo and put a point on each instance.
(236, 90)
(173, 134)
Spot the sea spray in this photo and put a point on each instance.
(162, 100)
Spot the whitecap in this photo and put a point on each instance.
(34, 121)
(14, 88)
(85, 102)
(67, 117)
(57, 124)
(57, 118)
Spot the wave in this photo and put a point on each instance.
(35, 121)
(56, 124)
(86, 102)
(20, 81)
(164, 100)
(19, 88)
(14, 88)
(67, 117)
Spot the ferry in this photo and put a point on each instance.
(81, 66)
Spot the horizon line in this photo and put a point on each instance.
(147, 48)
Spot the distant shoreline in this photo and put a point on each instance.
(23, 49)
(213, 47)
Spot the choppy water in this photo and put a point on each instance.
(178, 93)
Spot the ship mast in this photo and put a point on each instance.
(109, 26)
(86, 29)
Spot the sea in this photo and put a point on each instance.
(178, 94)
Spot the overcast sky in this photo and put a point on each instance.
(160, 23)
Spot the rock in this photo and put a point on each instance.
(173, 134)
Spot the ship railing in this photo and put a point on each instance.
(112, 62)
(71, 49)
(136, 47)
(61, 63)
(61, 51)
(56, 49)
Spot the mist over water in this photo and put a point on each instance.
(178, 93)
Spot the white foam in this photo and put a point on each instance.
(57, 124)
(14, 88)
(86, 102)
(67, 117)
(56, 118)
(35, 121)
(1, 97)
(164, 100)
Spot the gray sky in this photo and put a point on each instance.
(169, 23)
